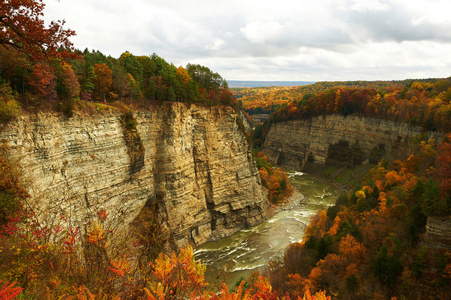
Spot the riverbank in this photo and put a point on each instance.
(344, 178)
(295, 201)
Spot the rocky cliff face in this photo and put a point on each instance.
(192, 161)
(346, 140)
(438, 232)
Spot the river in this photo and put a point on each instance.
(251, 249)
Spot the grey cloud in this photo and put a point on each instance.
(397, 24)
(287, 40)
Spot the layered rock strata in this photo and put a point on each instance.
(192, 160)
(438, 232)
(336, 138)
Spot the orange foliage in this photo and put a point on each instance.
(321, 295)
(177, 275)
(350, 249)
(274, 179)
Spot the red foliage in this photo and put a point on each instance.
(43, 82)
(9, 292)
(22, 27)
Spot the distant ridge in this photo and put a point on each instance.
(251, 84)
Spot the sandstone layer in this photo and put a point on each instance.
(192, 160)
(336, 138)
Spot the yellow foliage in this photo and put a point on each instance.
(9, 107)
(360, 195)
(184, 75)
(96, 234)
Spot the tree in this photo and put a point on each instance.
(387, 267)
(43, 82)
(103, 80)
(22, 28)
(14, 66)
(183, 74)
(67, 85)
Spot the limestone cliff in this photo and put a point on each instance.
(336, 138)
(192, 160)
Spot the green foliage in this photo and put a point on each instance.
(416, 223)
(11, 192)
(387, 267)
(349, 227)
(429, 191)
(129, 120)
(9, 205)
(352, 283)
(9, 107)
(324, 247)
(90, 75)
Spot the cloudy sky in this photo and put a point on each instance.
(313, 40)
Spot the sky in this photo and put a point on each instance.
(288, 40)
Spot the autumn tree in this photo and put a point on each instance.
(22, 28)
(67, 83)
(103, 80)
(42, 81)
(183, 74)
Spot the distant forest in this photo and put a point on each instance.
(422, 102)
(251, 84)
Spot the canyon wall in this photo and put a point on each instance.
(338, 139)
(192, 162)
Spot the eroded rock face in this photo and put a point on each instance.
(192, 159)
(337, 138)
(438, 232)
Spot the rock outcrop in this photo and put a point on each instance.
(347, 140)
(438, 232)
(192, 160)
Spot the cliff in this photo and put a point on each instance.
(350, 140)
(191, 161)
(438, 232)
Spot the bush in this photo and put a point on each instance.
(9, 107)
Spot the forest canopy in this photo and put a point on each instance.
(40, 69)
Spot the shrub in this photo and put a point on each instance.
(9, 107)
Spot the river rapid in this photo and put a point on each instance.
(253, 248)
